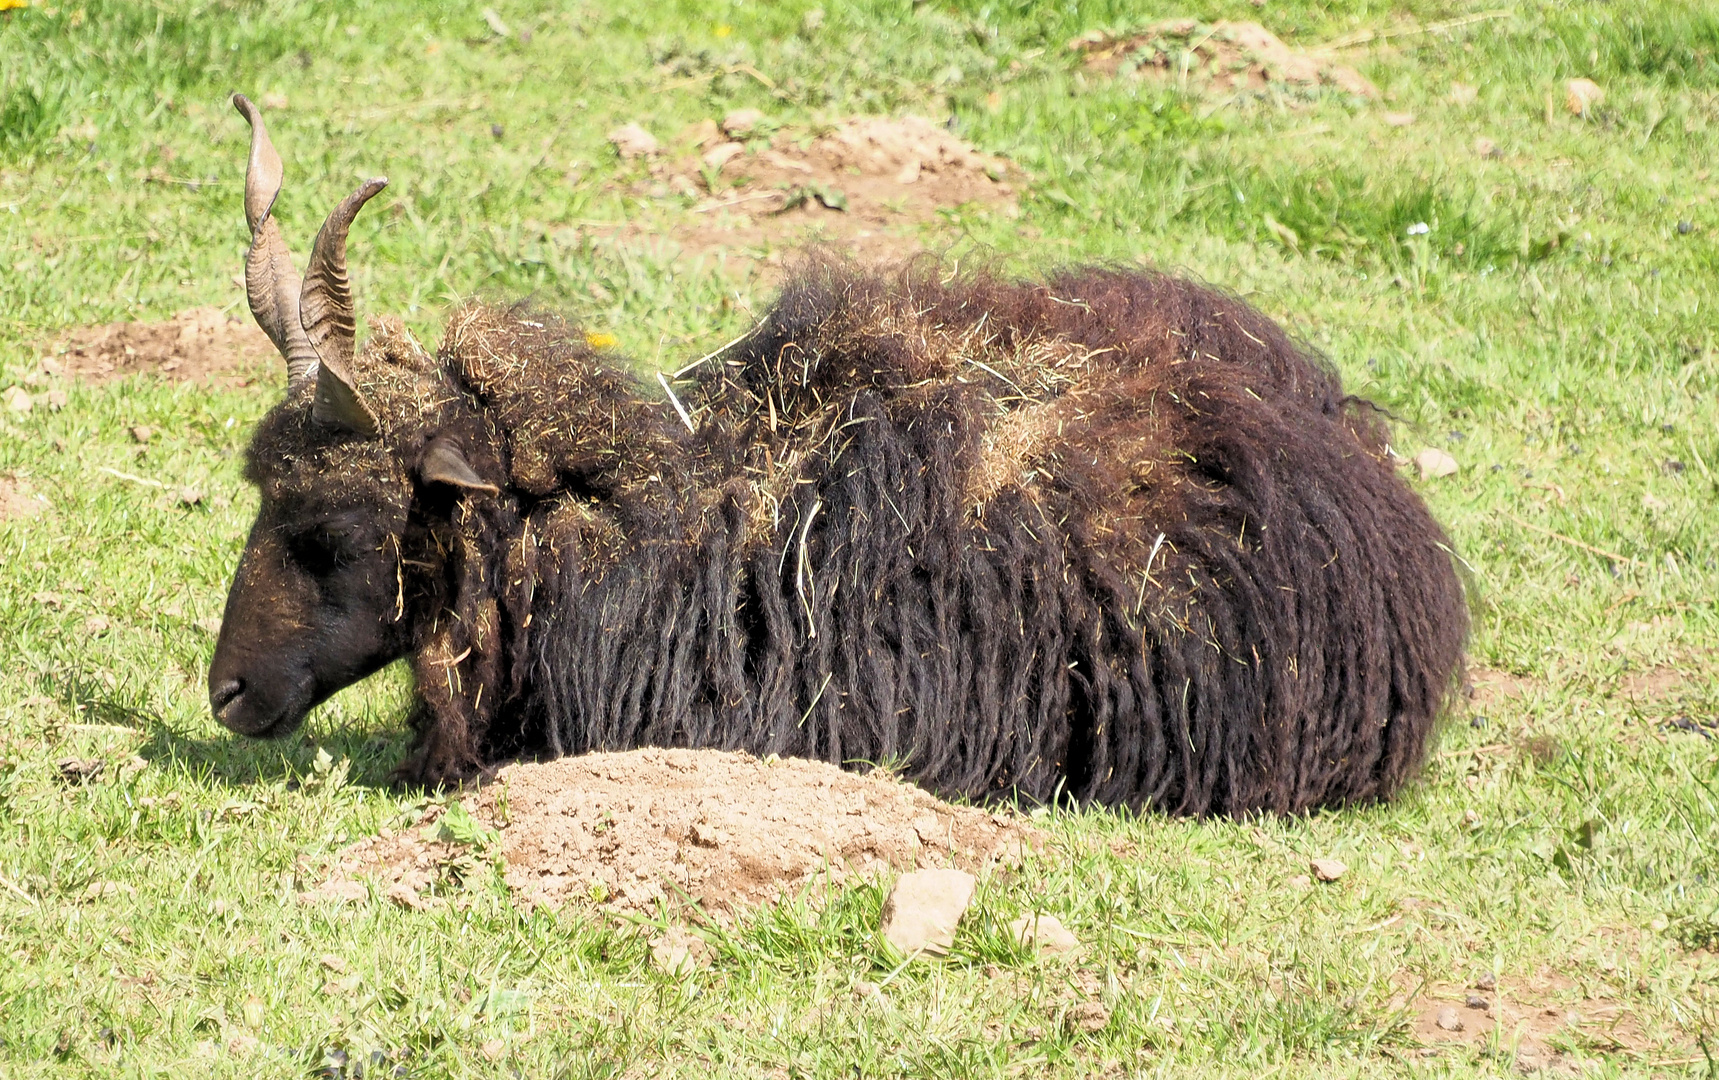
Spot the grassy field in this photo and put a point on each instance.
(1554, 328)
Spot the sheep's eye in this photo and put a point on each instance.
(321, 549)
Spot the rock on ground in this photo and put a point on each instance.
(923, 909)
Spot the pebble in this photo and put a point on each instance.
(741, 122)
(631, 140)
(1045, 933)
(1434, 463)
(1583, 95)
(1328, 869)
(677, 952)
(1488, 982)
(1475, 1001)
(923, 908)
(1448, 1020)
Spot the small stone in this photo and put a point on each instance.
(494, 1049)
(333, 963)
(741, 122)
(56, 400)
(721, 154)
(241, 1045)
(190, 496)
(496, 131)
(1301, 881)
(1328, 869)
(1581, 96)
(679, 952)
(923, 909)
(17, 399)
(1397, 119)
(97, 625)
(1433, 463)
(142, 433)
(864, 988)
(210, 626)
(1487, 982)
(706, 835)
(1448, 1020)
(1045, 933)
(1486, 148)
(403, 893)
(633, 141)
(1684, 228)
(79, 770)
(1475, 1001)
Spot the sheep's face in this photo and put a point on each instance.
(317, 602)
(324, 593)
(341, 566)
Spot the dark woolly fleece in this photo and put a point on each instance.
(1112, 537)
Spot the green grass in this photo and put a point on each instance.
(1554, 329)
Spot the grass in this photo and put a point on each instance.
(1554, 329)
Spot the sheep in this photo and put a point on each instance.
(1109, 538)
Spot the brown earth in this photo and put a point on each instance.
(1222, 57)
(17, 500)
(723, 831)
(1488, 688)
(866, 187)
(200, 345)
(1537, 1019)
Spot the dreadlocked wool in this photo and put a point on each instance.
(1111, 537)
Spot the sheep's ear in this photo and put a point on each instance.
(445, 463)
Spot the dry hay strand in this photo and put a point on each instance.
(200, 345)
(1222, 57)
(717, 830)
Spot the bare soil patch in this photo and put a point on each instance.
(1218, 58)
(1488, 688)
(723, 831)
(200, 345)
(867, 186)
(18, 500)
(1539, 1020)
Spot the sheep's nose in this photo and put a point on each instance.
(225, 696)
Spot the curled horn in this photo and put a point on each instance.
(271, 283)
(325, 313)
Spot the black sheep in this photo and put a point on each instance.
(1111, 537)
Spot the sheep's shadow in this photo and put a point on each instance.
(232, 760)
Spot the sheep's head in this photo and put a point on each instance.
(328, 589)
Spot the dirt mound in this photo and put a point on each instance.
(865, 185)
(1222, 57)
(199, 345)
(723, 830)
